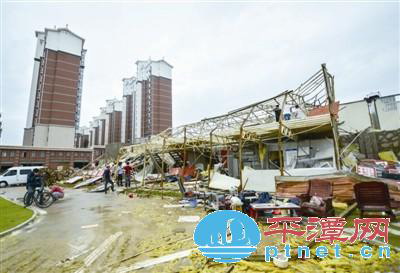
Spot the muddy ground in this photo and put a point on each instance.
(97, 229)
(94, 232)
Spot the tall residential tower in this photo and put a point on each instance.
(145, 108)
(128, 93)
(155, 82)
(56, 89)
(147, 101)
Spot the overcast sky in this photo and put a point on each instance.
(224, 55)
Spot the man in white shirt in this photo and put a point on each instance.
(297, 113)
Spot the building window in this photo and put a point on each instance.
(60, 153)
(4, 154)
(33, 154)
(42, 154)
(390, 104)
(12, 154)
(24, 154)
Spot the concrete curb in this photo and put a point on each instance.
(7, 232)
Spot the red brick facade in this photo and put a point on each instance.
(58, 85)
(156, 105)
(114, 130)
(50, 157)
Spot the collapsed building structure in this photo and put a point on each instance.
(293, 133)
(279, 145)
(276, 145)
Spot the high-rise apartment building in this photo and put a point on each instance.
(94, 132)
(128, 92)
(56, 89)
(106, 127)
(145, 108)
(113, 121)
(82, 137)
(102, 125)
(155, 115)
(147, 101)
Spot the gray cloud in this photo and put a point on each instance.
(224, 55)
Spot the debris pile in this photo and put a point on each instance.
(278, 157)
(53, 176)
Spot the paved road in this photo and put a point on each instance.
(84, 223)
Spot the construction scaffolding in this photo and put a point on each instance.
(261, 122)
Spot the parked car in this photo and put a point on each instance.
(16, 175)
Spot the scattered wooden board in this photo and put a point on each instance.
(88, 182)
(73, 180)
(156, 261)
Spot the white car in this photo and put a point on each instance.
(16, 175)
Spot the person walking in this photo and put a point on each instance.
(120, 173)
(107, 179)
(128, 173)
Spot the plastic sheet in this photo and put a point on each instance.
(223, 182)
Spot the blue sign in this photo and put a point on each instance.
(227, 236)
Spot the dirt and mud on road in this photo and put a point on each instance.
(94, 232)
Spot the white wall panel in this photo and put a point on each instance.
(64, 41)
(61, 136)
(355, 116)
(54, 136)
(388, 113)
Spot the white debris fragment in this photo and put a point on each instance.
(176, 206)
(188, 219)
(89, 226)
(159, 260)
(100, 250)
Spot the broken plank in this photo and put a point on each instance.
(348, 210)
(101, 249)
(148, 250)
(98, 251)
(156, 261)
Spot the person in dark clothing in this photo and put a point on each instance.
(30, 179)
(107, 179)
(34, 181)
(277, 112)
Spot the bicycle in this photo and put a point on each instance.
(42, 198)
